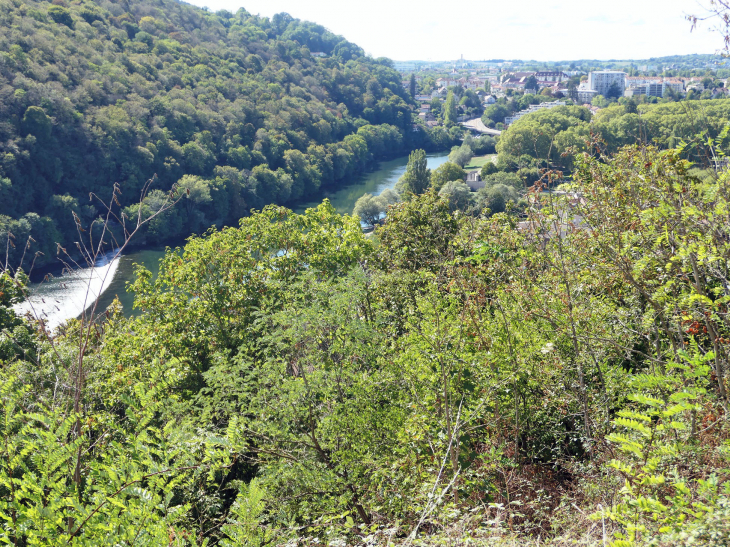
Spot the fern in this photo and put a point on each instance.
(246, 528)
(650, 444)
(128, 481)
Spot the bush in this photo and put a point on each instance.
(487, 169)
(529, 174)
(459, 194)
(484, 145)
(713, 530)
(507, 179)
(61, 16)
(446, 172)
(370, 209)
(461, 155)
(496, 197)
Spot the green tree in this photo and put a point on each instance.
(461, 155)
(37, 123)
(459, 195)
(370, 209)
(412, 85)
(531, 83)
(417, 177)
(495, 197)
(614, 91)
(449, 113)
(446, 172)
(61, 16)
(506, 179)
(495, 113)
(599, 101)
(487, 169)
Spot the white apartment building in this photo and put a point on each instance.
(551, 76)
(585, 94)
(530, 109)
(602, 80)
(655, 88)
(676, 85)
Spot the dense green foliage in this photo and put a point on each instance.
(548, 135)
(371, 209)
(508, 366)
(232, 106)
(452, 378)
(446, 172)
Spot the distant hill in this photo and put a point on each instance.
(690, 61)
(254, 110)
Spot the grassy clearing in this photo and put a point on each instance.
(478, 161)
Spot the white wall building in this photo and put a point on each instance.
(585, 94)
(602, 80)
(551, 76)
(655, 88)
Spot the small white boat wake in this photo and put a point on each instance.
(58, 299)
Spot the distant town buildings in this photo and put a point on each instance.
(494, 79)
(516, 80)
(472, 82)
(553, 76)
(404, 66)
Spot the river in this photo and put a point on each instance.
(67, 295)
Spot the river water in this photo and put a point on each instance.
(67, 295)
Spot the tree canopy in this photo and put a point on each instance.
(104, 93)
(548, 134)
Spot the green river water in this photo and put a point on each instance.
(64, 296)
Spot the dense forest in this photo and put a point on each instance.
(231, 110)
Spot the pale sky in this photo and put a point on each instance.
(545, 30)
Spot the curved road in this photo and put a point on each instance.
(477, 125)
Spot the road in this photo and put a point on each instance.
(477, 125)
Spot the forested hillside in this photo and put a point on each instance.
(98, 93)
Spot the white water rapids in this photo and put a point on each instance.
(68, 295)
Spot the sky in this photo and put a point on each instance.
(544, 30)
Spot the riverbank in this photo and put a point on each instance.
(385, 177)
(61, 297)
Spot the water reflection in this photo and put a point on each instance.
(343, 199)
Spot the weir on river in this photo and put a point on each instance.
(65, 296)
